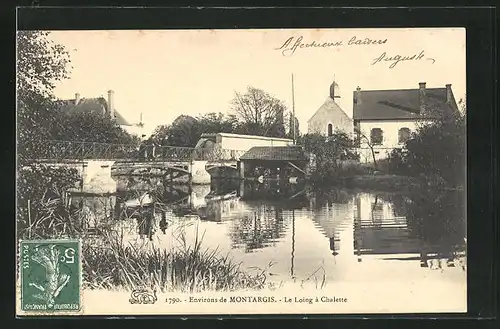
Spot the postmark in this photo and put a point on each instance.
(50, 273)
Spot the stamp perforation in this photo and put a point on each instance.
(55, 281)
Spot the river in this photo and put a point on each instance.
(299, 234)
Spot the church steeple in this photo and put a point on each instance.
(333, 88)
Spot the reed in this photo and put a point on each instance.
(112, 264)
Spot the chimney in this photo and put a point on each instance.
(111, 103)
(77, 98)
(421, 96)
(449, 95)
(357, 96)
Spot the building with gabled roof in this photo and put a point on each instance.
(385, 119)
(330, 118)
(100, 105)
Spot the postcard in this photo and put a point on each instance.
(241, 171)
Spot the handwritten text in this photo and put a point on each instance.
(395, 59)
(290, 46)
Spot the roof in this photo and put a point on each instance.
(275, 153)
(330, 106)
(93, 105)
(398, 104)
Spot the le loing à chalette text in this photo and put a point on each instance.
(310, 300)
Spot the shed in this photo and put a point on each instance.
(274, 161)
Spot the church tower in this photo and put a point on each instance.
(334, 87)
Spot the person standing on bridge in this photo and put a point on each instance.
(153, 152)
(144, 151)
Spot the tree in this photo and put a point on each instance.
(217, 123)
(186, 130)
(259, 112)
(330, 152)
(361, 138)
(183, 132)
(40, 64)
(90, 127)
(289, 126)
(437, 149)
(335, 148)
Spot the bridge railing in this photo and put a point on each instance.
(167, 153)
(71, 150)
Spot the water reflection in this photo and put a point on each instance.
(378, 230)
(264, 226)
(289, 196)
(302, 229)
(438, 221)
(94, 210)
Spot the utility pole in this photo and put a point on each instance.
(293, 115)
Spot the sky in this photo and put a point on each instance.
(165, 73)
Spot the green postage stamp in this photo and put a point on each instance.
(50, 273)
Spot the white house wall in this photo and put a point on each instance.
(319, 125)
(390, 140)
(244, 143)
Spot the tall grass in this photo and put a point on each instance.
(112, 264)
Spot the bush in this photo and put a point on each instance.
(333, 154)
(439, 150)
(398, 162)
(41, 202)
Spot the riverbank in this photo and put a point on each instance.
(383, 183)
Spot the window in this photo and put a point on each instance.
(376, 136)
(330, 129)
(403, 135)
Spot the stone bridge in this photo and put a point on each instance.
(216, 155)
